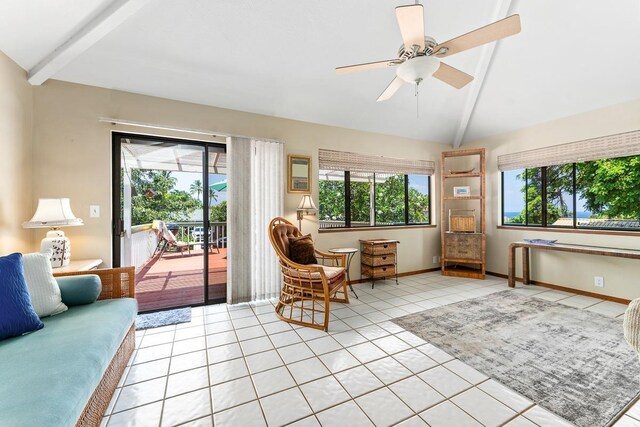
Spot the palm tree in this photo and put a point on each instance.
(212, 196)
(196, 187)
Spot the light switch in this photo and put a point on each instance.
(94, 211)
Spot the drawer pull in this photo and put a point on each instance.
(384, 257)
(384, 268)
(385, 246)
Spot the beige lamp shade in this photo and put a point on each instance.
(53, 213)
(307, 203)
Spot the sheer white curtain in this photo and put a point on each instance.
(255, 196)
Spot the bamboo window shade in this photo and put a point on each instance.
(604, 147)
(344, 161)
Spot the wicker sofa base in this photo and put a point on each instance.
(97, 405)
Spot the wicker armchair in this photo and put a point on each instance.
(631, 325)
(307, 290)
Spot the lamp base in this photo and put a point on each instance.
(59, 245)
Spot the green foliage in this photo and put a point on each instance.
(331, 201)
(155, 197)
(611, 187)
(390, 200)
(218, 213)
(360, 203)
(418, 207)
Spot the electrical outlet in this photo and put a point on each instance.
(94, 211)
(598, 281)
(436, 259)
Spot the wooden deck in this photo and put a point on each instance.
(177, 279)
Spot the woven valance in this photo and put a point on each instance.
(604, 147)
(344, 161)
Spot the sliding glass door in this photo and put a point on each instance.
(169, 210)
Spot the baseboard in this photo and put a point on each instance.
(408, 273)
(565, 289)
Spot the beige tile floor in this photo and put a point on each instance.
(241, 366)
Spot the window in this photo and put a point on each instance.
(599, 194)
(365, 199)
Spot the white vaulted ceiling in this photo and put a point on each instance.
(277, 57)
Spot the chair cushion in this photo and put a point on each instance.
(43, 288)
(48, 377)
(17, 315)
(301, 250)
(281, 234)
(331, 273)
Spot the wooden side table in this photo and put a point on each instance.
(379, 259)
(79, 265)
(349, 252)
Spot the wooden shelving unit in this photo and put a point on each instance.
(463, 253)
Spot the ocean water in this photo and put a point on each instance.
(579, 214)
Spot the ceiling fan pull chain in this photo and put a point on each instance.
(417, 95)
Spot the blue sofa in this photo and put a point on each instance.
(65, 374)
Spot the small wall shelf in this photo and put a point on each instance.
(463, 253)
(462, 197)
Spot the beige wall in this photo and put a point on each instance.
(622, 277)
(16, 117)
(73, 151)
(72, 159)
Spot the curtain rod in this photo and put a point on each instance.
(178, 129)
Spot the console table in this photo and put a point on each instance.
(560, 247)
(78, 265)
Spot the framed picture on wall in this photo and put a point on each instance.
(299, 177)
(464, 191)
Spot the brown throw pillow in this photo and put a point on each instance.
(301, 250)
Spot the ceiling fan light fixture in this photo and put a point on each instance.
(417, 69)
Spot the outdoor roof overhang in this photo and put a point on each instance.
(170, 157)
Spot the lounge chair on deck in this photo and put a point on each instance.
(166, 239)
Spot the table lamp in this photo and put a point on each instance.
(53, 214)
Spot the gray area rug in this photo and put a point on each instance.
(163, 318)
(572, 362)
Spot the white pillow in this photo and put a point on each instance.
(43, 288)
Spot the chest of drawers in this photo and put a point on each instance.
(379, 259)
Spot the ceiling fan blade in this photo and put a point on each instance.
(452, 76)
(391, 89)
(366, 66)
(487, 34)
(411, 23)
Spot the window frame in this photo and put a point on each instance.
(347, 205)
(550, 227)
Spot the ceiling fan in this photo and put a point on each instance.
(419, 56)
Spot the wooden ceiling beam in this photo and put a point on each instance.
(501, 11)
(102, 24)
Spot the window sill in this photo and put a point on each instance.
(571, 230)
(391, 227)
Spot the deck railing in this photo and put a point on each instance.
(144, 240)
(143, 243)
